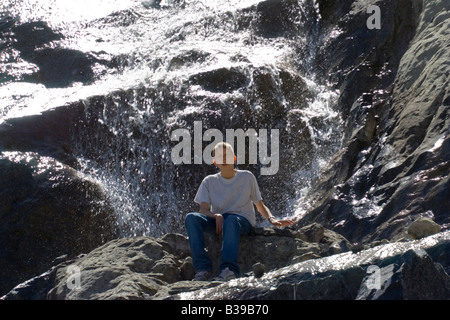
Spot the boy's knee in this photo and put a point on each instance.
(235, 222)
(191, 217)
(231, 220)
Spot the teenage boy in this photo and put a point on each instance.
(226, 206)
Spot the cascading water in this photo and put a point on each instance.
(155, 67)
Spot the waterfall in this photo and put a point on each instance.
(162, 66)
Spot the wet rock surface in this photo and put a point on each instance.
(55, 67)
(157, 268)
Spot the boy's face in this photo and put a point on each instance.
(224, 158)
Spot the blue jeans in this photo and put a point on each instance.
(233, 227)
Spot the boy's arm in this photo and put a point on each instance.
(204, 209)
(265, 212)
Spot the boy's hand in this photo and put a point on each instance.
(219, 223)
(265, 212)
(280, 223)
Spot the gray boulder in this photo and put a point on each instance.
(423, 227)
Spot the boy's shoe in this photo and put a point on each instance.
(202, 276)
(225, 275)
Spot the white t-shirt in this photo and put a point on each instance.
(235, 195)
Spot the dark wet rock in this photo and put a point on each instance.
(56, 67)
(188, 58)
(332, 11)
(258, 269)
(276, 18)
(35, 288)
(295, 89)
(359, 59)
(393, 167)
(31, 35)
(413, 277)
(220, 80)
(47, 209)
(48, 134)
(61, 67)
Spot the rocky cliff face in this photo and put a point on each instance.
(363, 234)
(394, 165)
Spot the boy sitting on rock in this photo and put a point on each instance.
(226, 206)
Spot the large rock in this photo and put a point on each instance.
(412, 276)
(154, 268)
(158, 268)
(274, 18)
(275, 248)
(48, 133)
(402, 270)
(423, 227)
(46, 209)
(121, 269)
